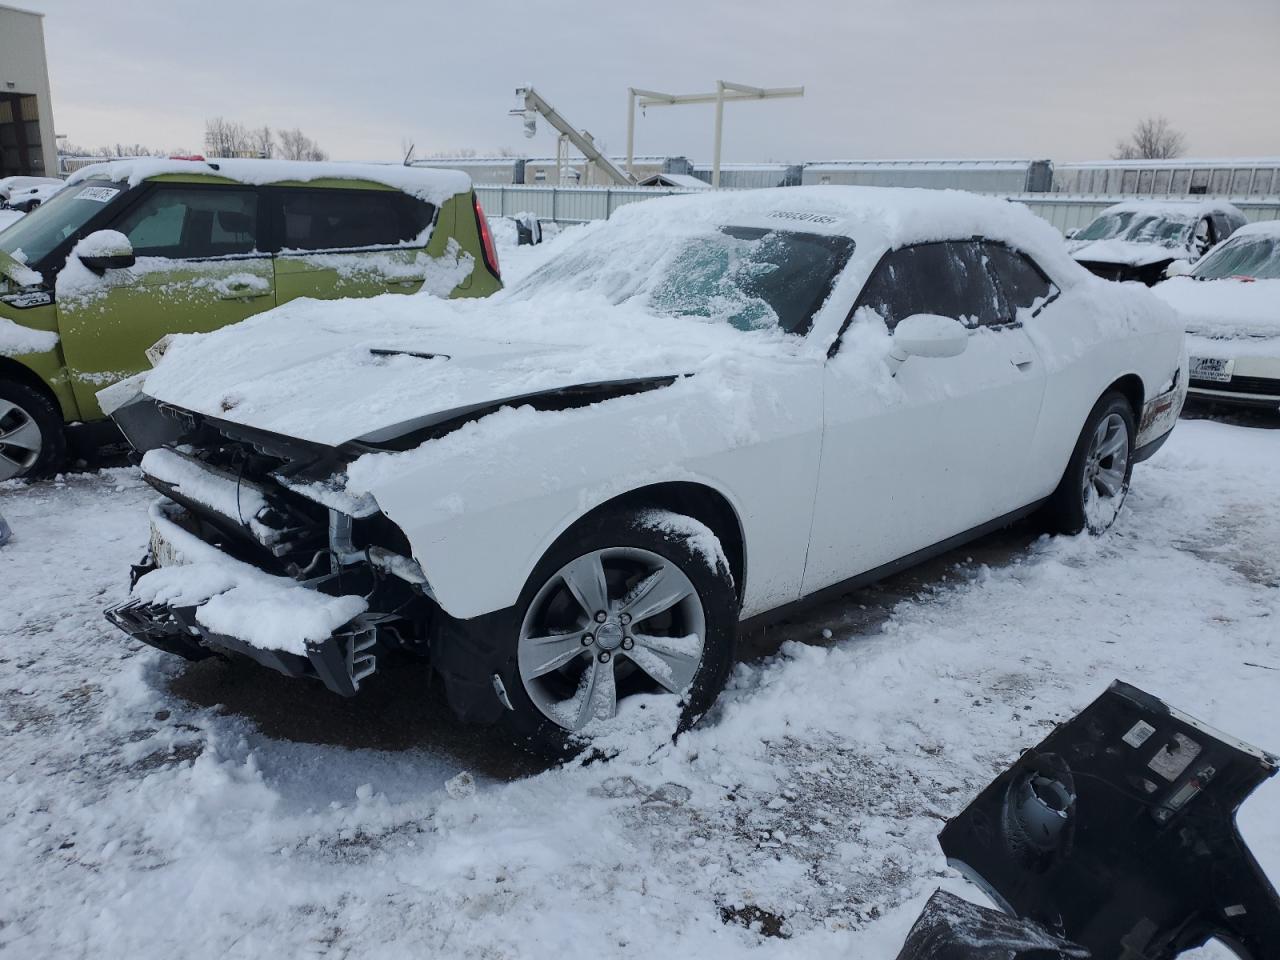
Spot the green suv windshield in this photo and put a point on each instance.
(1164, 229)
(37, 234)
(1250, 255)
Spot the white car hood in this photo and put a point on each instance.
(331, 372)
(1125, 252)
(1224, 308)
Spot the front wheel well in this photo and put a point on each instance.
(15, 372)
(696, 500)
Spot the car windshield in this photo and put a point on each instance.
(1135, 226)
(748, 277)
(34, 237)
(1251, 255)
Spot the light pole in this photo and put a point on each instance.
(725, 92)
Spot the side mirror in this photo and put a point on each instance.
(927, 335)
(1071, 234)
(105, 250)
(1177, 268)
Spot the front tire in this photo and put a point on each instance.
(1096, 480)
(32, 442)
(627, 603)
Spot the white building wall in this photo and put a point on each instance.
(23, 70)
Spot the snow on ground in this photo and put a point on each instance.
(518, 262)
(153, 808)
(9, 216)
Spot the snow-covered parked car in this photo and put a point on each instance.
(702, 411)
(26, 193)
(1140, 239)
(1230, 306)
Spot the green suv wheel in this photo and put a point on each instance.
(32, 443)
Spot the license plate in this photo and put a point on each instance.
(1211, 368)
(163, 553)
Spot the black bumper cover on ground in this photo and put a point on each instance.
(1118, 833)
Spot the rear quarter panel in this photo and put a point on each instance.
(1096, 333)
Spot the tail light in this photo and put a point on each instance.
(486, 239)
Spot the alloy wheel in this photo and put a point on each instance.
(20, 440)
(1106, 468)
(609, 624)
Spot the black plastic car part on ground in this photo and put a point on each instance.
(1118, 832)
(950, 928)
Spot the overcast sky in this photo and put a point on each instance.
(883, 78)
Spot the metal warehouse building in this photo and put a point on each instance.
(27, 143)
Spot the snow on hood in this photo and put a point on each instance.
(429, 184)
(1126, 252)
(334, 371)
(1224, 308)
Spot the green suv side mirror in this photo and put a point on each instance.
(105, 250)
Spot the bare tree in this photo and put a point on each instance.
(296, 145)
(261, 141)
(1152, 139)
(225, 138)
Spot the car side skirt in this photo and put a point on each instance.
(839, 589)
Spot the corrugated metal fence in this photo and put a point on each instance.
(579, 204)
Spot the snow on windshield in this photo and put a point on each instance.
(748, 277)
(1164, 229)
(1251, 255)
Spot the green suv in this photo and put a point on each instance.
(132, 250)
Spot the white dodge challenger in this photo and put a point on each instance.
(707, 410)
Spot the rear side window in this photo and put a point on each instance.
(349, 219)
(948, 279)
(182, 223)
(1024, 285)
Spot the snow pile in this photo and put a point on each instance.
(16, 340)
(239, 600)
(432, 185)
(1225, 309)
(799, 820)
(9, 216)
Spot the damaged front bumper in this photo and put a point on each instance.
(340, 661)
(353, 609)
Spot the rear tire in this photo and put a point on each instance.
(645, 557)
(32, 440)
(1096, 481)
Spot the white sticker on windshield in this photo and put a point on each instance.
(97, 194)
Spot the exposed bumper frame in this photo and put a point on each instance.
(340, 661)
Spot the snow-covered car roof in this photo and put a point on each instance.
(878, 217)
(1186, 209)
(426, 183)
(1266, 228)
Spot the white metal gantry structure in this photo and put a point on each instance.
(725, 92)
(534, 104)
